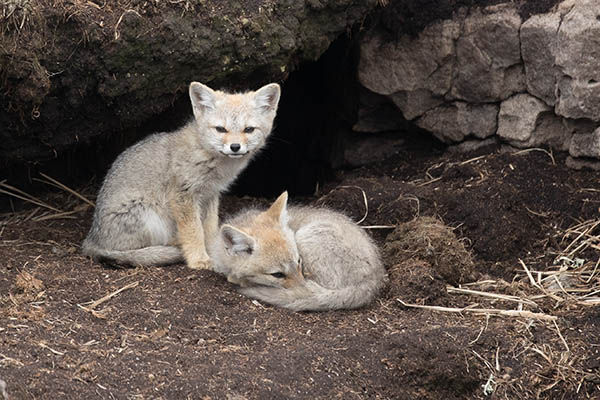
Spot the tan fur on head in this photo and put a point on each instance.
(278, 210)
(270, 236)
(243, 119)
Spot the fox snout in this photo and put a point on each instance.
(294, 279)
(234, 145)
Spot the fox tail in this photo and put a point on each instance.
(147, 256)
(313, 297)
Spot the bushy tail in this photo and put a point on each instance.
(147, 256)
(314, 297)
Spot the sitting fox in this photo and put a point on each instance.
(303, 258)
(159, 202)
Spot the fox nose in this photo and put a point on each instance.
(235, 147)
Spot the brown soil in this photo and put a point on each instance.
(174, 333)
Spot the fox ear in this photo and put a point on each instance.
(237, 241)
(267, 97)
(278, 209)
(202, 97)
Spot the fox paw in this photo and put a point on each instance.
(200, 264)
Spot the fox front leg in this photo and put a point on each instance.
(190, 232)
(211, 221)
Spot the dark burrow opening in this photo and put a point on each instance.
(314, 127)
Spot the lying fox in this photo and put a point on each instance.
(159, 202)
(303, 258)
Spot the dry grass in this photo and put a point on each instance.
(542, 298)
(574, 277)
(75, 202)
(14, 14)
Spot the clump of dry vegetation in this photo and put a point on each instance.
(428, 239)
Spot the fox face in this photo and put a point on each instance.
(234, 125)
(265, 252)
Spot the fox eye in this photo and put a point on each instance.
(249, 129)
(278, 275)
(221, 129)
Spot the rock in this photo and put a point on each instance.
(456, 121)
(578, 58)
(414, 72)
(585, 144)
(488, 56)
(577, 163)
(409, 64)
(580, 126)
(473, 145)
(538, 47)
(518, 117)
(417, 73)
(562, 60)
(545, 72)
(551, 131)
(526, 121)
(414, 103)
(376, 113)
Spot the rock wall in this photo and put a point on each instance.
(487, 72)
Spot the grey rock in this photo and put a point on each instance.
(408, 64)
(578, 98)
(545, 72)
(518, 117)
(454, 122)
(473, 144)
(580, 126)
(578, 57)
(577, 163)
(376, 113)
(525, 121)
(585, 144)
(488, 56)
(414, 103)
(551, 131)
(538, 47)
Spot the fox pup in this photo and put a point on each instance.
(301, 258)
(159, 201)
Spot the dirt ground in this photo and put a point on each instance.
(175, 333)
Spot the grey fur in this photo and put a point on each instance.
(342, 266)
(134, 222)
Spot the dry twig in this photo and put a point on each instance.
(64, 187)
(93, 304)
(491, 311)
